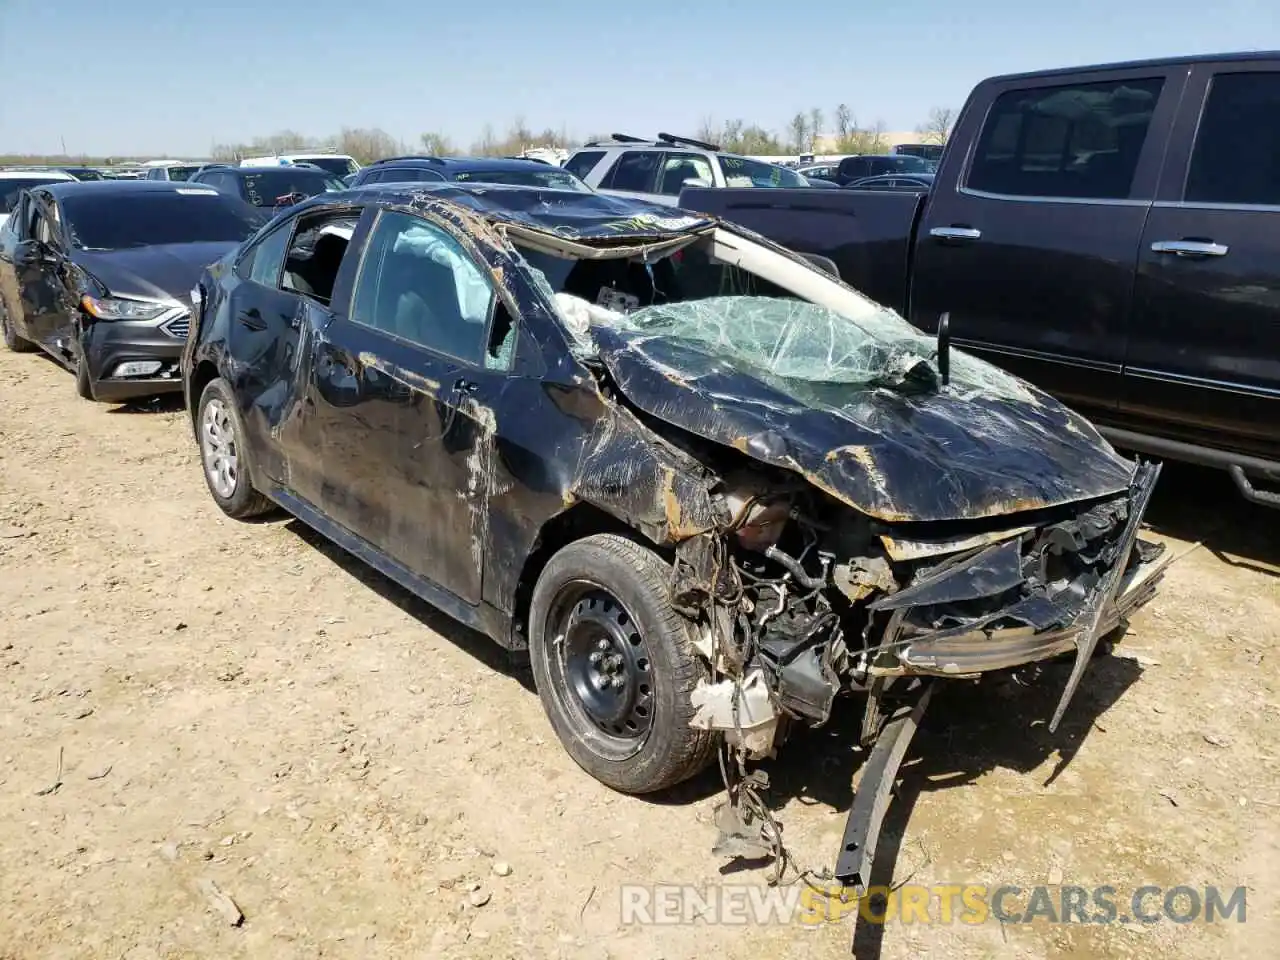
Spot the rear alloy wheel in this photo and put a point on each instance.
(11, 339)
(616, 666)
(223, 454)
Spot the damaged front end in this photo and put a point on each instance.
(809, 603)
(804, 601)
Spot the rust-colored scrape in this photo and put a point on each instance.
(679, 526)
(415, 381)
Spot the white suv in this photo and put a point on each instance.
(657, 170)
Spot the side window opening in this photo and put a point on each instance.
(634, 171)
(1080, 140)
(583, 162)
(315, 255)
(262, 263)
(1237, 150)
(419, 284)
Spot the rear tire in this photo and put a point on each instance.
(615, 665)
(224, 457)
(11, 339)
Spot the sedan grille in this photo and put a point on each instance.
(179, 326)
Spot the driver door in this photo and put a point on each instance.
(39, 262)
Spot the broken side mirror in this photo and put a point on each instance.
(824, 264)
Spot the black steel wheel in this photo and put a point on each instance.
(604, 664)
(615, 665)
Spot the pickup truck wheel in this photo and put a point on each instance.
(11, 339)
(615, 665)
(224, 456)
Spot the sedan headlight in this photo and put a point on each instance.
(119, 308)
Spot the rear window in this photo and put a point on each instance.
(280, 185)
(337, 166)
(10, 188)
(551, 178)
(120, 220)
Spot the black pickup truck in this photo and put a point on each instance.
(1110, 233)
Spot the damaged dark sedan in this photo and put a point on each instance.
(708, 486)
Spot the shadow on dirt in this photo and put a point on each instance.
(483, 649)
(969, 730)
(166, 403)
(1200, 505)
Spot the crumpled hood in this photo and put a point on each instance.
(152, 272)
(946, 454)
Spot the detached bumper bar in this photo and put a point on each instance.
(875, 790)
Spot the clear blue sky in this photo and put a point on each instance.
(137, 77)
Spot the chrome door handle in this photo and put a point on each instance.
(955, 233)
(1190, 248)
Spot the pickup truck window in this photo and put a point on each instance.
(1081, 140)
(1237, 149)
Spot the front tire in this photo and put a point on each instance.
(615, 665)
(84, 389)
(224, 455)
(11, 339)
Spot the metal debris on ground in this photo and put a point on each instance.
(57, 779)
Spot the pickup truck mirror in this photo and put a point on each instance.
(822, 263)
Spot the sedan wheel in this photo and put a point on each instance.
(218, 447)
(224, 455)
(10, 335)
(616, 666)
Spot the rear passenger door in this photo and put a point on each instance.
(1030, 237)
(1204, 353)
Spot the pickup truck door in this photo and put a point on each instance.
(1204, 352)
(1030, 235)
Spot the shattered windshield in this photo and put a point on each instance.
(798, 341)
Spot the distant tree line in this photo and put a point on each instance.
(808, 132)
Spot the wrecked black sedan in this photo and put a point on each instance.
(709, 487)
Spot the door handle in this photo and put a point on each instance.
(463, 385)
(1190, 248)
(252, 319)
(955, 233)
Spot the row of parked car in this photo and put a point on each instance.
(703, 481)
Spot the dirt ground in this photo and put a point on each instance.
(247, 705)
